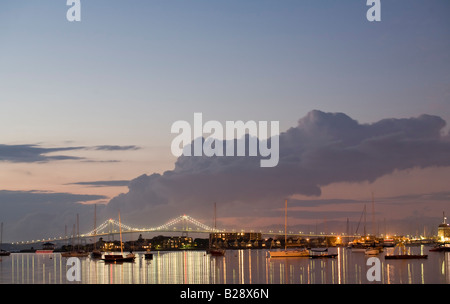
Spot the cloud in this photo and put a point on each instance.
(421, 197)
(110, 183)
(36, 214)
(115, 148)
(31, 153)
(324, 148)
(36, 197)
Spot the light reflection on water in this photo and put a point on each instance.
(236, 267)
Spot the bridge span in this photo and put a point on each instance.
(180, 224)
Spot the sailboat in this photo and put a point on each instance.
(373, 249)
(288, 253)
(119, 258)
(76, 253)
(215, 251)
(3, 252)
(96, 254)
(360, 245)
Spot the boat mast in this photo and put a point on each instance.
(373, 215)
(348, 231)
(120, 229)
(364, 220)
(285, 226)
(78, 234)
(95, 225)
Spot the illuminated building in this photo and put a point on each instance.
(240, 236)
(444, 230)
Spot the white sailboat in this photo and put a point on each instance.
(295, 253)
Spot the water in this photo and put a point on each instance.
(236, 267)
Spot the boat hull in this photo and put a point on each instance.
(74, 254)
(372, 252)
(96, 254)
(289, 254)
(440, 249)
(114, 258)
(216, 252)
(358, 250)
(323, 256)
(405, 256)
(43, 251)
(319, 249)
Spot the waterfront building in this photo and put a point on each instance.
(48, 246)
(175, 242)
(444, 230)
(239, 236)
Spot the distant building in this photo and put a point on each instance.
(237, 239)
(171, 242)
(240, 236)
(444, 230)
(48, 246)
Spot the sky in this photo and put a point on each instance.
(86, 110)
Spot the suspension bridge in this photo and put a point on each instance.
(183, 224)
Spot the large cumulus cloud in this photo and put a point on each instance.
(323, 148)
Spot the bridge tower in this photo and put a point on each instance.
(185, 227)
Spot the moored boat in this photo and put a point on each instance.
(372, 251)
(323, 255)
(216, 251)
(403, 254)
(119, 258)
(4, 252)
(76, 254)
(96, 254)
(440, 248)
(288, 253)
(406, 256)
(319, 249)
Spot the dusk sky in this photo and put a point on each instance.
(87, 107)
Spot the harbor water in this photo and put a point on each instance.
(236, 267)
